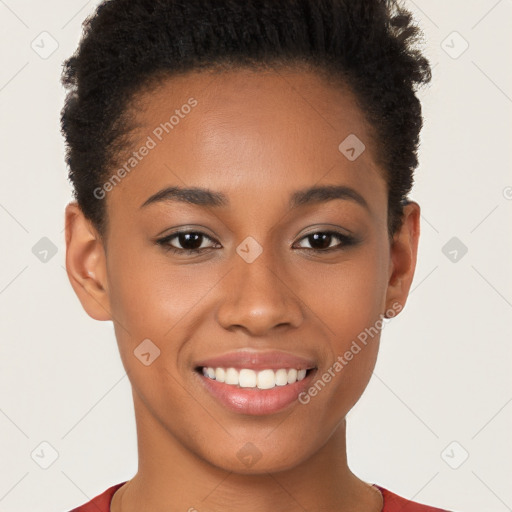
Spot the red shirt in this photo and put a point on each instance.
(392, 502)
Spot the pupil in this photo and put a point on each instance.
(186, 238)
(324, 238)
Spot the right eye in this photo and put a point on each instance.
(191, 242)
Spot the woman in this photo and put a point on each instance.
(241, 171)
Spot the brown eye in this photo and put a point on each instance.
(322, 241)
(196, 242)
(189, 242)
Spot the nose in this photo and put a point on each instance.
(258, 297)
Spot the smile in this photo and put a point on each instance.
(264, 392)
(248, 378)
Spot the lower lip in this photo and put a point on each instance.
(256, 401)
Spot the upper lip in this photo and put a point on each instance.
(257, 360)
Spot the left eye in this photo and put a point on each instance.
(322, 240)
(193, 242)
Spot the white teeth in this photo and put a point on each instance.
(220, 374)
(247, 378)
(231, 377)
(266, 379)
(281, 377)
(292, 375)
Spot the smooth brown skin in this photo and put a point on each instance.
(257, 137)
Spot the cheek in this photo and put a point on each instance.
(152, 299)
(149, 295)
(349, 296)
(348, 302)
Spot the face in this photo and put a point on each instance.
(278, 265)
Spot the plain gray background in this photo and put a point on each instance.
(441, 390)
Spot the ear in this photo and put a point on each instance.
(86, 263)
(404, 249)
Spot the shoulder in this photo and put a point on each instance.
(100, 503)
(395, 503)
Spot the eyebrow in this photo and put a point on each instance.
(207, 198)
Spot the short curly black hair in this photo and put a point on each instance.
(128, 45)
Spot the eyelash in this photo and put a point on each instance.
(345, 240)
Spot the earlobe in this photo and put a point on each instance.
(404, 249)
(86, 264)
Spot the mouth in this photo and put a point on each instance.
(256, 384)
(259, 379)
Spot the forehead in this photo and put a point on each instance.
(247, 133)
